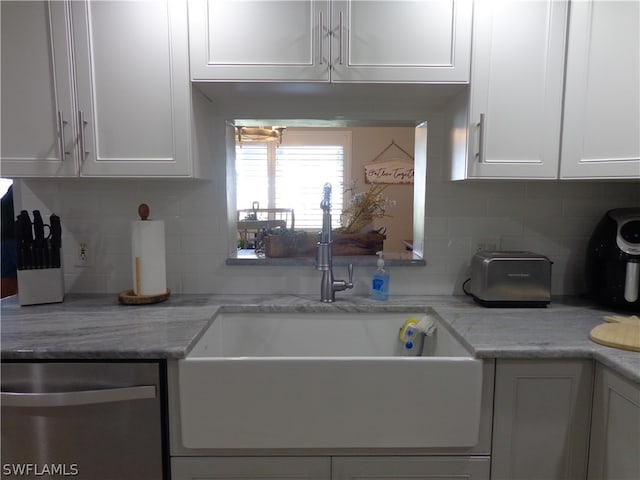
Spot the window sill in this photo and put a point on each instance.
(409, 259)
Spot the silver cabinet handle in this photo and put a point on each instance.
(81, 397)
(480, 125)
(63, 143)
(320, 36)
(340, 23)
(81, 124)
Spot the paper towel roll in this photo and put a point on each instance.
(148, 257)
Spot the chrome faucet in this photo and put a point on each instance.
(324, 259)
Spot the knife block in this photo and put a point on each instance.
(41, 285)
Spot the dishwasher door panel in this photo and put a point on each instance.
(97, 421)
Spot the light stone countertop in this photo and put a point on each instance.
(97, 327)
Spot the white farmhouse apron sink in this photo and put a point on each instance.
(326, 380)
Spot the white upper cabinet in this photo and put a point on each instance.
(601, 137)
(96, 88)
(519, 123)
(38, 120)
(401, 41)
(133, 87)
(515, 104)
(259, 40)
(337, 41)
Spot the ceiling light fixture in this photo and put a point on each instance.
(259, 134)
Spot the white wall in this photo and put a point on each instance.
(553, 218)
(368, 143)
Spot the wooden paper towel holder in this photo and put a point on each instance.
(128, 297)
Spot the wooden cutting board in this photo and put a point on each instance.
(618, 332)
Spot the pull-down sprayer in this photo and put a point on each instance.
(324, 259)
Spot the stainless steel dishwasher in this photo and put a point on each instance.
(94, 421)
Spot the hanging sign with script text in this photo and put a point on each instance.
(389, 171)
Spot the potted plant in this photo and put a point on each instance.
(357, 236)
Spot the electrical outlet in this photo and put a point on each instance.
(487, 244)
(83, 258)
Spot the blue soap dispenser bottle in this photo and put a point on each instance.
(380, 281)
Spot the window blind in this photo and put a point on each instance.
(292, 175)
(300, 174)
(251, 176)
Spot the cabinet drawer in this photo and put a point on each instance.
(250, 468)
(416, 468)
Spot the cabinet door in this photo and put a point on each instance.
(277, 40)
(541, 419)
(516, 89)
(401, 41)
(615, 428)
(250, 468)
(133, 87)
(37, 111)
(416, 468)
(601, 132)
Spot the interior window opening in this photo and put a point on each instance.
(278, 182)
(279, 185)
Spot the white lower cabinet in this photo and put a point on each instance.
(543, 423)
(250, 468)
(415, 468)
(615, 428)
(330, 468)
(541, 419)
(471, 463)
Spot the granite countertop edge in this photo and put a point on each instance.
(86, 327)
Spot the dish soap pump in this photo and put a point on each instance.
(380, 281)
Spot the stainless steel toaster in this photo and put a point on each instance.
(510, 279)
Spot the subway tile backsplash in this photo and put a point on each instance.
(549, 217)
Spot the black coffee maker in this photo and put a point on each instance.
(613, 260)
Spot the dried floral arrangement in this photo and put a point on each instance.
(364, 208)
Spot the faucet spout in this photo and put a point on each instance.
(324, 259)
(325, 205)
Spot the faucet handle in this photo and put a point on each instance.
(350, 271)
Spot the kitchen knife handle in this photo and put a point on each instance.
(38, 226)
(480, 153)
(56, 228)
(27, 233)
(56, 240)
(26, 239)
(39, 242)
